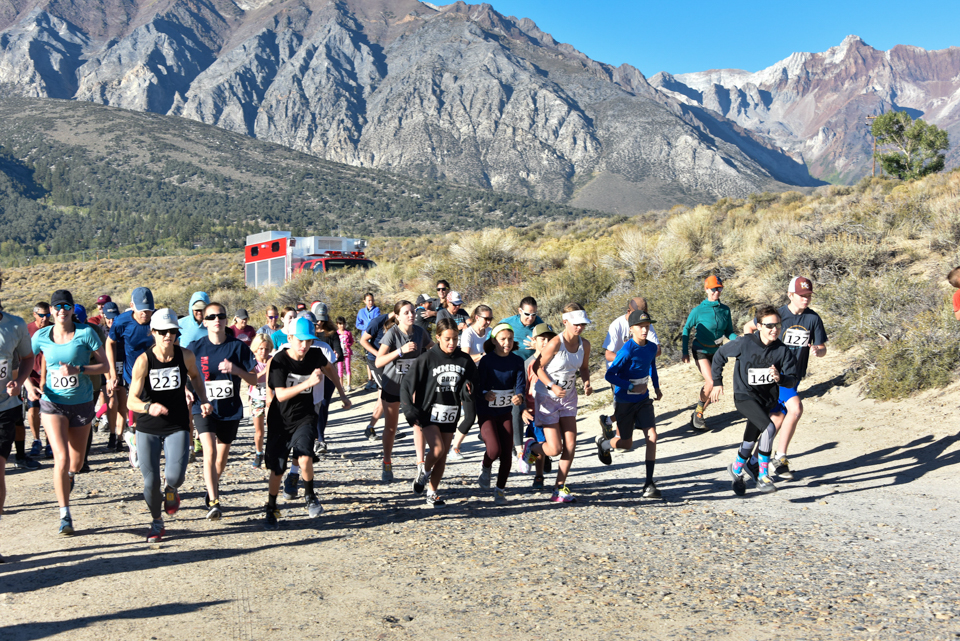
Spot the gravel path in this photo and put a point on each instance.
(863, 545)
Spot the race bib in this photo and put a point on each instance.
(504, 398)
(637, 382)
(719, 341)
(759, 376)
(295, 379)
(796, 337)
(219, 390)
(4, 371)
(444, 413)
(403, 365)
(165, 379)
(59, 382)
(119, 365)
(566, 384)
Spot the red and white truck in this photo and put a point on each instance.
(273, 257)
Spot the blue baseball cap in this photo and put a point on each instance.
(111, 310)
(142, 300)
(80, 312)
(302, 328)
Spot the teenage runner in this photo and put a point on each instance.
(346, 341)
(192, 327)
(618, 334)
(41, 319)
(67, 404)
(279, 337)
(631, 373)
(556, 400)
(291, 418)
(523, 324)
(763, 362)
(501, 384)
(273, 317)
(472, 342)
(241, 329)
(364, 317)
(370, 341)
(223, 362)
(713, 322)
(16, 364)
(454, 311)
(542, 334)
(431, 395)
(802, 332)
(425, 306)
(157, 387)
(261, 348)
(131, 330)
(402, 343)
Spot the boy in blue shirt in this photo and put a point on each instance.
(631, 373)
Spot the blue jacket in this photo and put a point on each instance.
(364, 316)
(190, 330)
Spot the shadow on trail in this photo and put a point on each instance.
(41, 630)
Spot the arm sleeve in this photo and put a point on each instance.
(614, 375)
(652, 336)
(819, 333)
(247, 360)
(729, 331)
(361, 323)
(610, 339)
(521, 386)
(278, 376)
(720, 360)
(653, 374)
(408, 386)
(685, 341)
(788, 368)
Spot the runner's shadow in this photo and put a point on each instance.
(44, 629)
(821, 389)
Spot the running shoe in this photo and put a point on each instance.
(421, 479)
(111, 442)
(537, 483)
(320, 448)
(387, 474)
(765, 484)
(606, 428)
(399, 435)
(272, 521)
(73, 480)
(314, 509)
(781, 468)
(698, 423)
(455, 454)
(650, 491)
(563, 495)
(197, 446)
(752, 470)
(103, 424)
(215, 512)
(257, 461)
(118, 445)
(48, 451)
(499, 497)
(84, 468)
(370, 433)
(36, 449)
(66, 526)
(156, 532)
(290, 486)
(193, 457)
(434, 500)
(527, 457)
(132, 448)
(25, 463)
(171, 500)
(484, 479)
(739, 486)
(602, 454)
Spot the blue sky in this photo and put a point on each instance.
(680, 37)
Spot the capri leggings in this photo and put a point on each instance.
(176, 450)
(343, 365)
(497, 434)
(759, 426)
(469, 411)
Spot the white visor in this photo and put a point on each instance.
(578, 317)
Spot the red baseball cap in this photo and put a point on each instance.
(713, 281)
(104, 300)
(800, 285)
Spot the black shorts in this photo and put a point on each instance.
(9, 420)
(635, 416)
(27, 403)
(226, 431)
(698, 355)
(387, 397)
(77, 415)
(445, 428)
(280, 442)
(376, 373)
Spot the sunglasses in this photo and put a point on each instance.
(442, 289)
(39, 315)
(215, 317)
(716, 289)
(486, 318)
(272, 317)
(528, 314)
(62, 306)
(164, 332)
(770, 325)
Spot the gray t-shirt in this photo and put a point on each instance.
(394, 339)
(14, 345)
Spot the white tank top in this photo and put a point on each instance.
(562, 368)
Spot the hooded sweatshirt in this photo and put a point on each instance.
(712, 321)
(751, 376)
(436, 379)
(191, 330)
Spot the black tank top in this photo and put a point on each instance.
(164, 384)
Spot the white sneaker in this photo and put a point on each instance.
(456, 455)
(131, 441)
(499, 497)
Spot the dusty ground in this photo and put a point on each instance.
(863, 545)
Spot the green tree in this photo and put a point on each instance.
(917, 147)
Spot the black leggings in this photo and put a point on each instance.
(469, 411)
(497, 434)
(329, 387)
(759, 427)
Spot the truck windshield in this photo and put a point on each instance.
(340, 263)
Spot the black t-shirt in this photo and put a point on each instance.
(287, 372)
(798, 332)
(376, 331)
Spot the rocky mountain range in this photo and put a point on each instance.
(815, 105)
(460, 93)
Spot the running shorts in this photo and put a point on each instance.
(226, 431)
(77, 415)
(280, 442)
(549, 410)
(9, 420)
(635, 416)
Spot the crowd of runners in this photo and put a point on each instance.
(157, 382)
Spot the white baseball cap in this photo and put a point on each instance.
(164, 318)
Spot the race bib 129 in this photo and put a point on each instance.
(219, 390)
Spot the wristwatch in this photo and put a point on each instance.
(146, 408)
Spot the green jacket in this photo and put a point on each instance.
(712, 321)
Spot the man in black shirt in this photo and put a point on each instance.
(292, 419)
